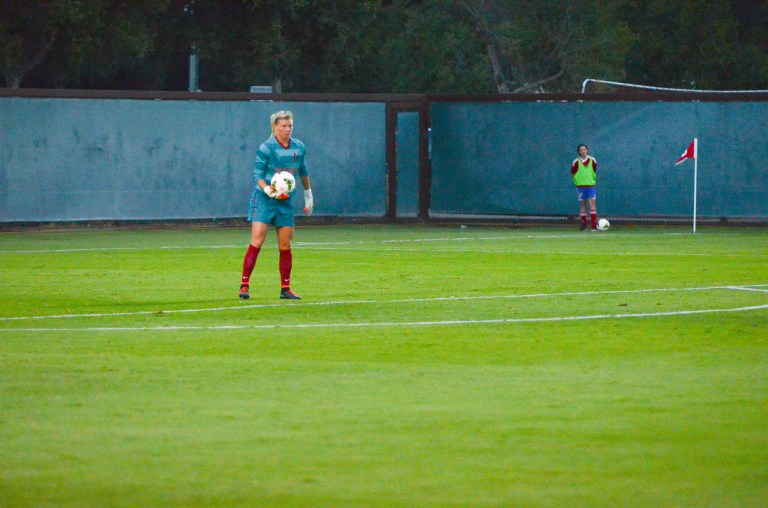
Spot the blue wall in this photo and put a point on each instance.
(118, 159)
(129, 159)
(522, 152)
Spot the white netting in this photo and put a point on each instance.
(601, 86)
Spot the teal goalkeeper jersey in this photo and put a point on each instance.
(272, 157)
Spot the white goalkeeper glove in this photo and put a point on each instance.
(308, 202)
(269, 191)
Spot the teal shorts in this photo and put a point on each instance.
(262, 208)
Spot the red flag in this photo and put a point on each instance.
(690, 153)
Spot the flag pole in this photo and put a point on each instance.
(692, 152)
(695, 178)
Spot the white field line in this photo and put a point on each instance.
(109, 249)
(331, 244)
(295, 244)
(529, 251)
(305, 326)
(84, 249)
(358, 247)
(753, 287)
(747, 288)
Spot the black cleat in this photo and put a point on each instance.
(244, 295)
(583, 228)
(287, 294)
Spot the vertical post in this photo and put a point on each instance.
(193, 70)
(695, 178)
(391, 162)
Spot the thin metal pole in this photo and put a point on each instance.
(695, 178)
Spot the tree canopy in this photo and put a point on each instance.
(379, 46)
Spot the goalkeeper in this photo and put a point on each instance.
(278, 153)
(584, 174)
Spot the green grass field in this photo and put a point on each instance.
(425, 366)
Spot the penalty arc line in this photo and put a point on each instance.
(748, 288)
(305, 326)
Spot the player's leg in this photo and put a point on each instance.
(582, 213)
(258, 233)
(261, 213)
(593, 212)
(284, 237)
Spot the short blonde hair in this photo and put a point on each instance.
(280, 115)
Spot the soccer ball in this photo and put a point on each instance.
(603, 224)
(284, 184)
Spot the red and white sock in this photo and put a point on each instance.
(286, 265)
(249, 263)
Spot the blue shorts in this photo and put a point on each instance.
(586, 193)
(262, 208)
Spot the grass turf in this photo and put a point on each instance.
(424, 367)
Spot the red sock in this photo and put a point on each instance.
(286, 264)
(249, 262)
(584, 220)
(593, 216)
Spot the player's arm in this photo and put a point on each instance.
(260, 166)
(260, 171)
(309, 202)
(574, 167)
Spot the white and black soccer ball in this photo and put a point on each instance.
(603, 224)
(284, 184)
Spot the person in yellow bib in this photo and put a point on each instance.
(584, 173)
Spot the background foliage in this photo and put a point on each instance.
(379, 46)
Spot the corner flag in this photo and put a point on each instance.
(690, 153)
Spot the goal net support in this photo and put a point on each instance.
(602, 86)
